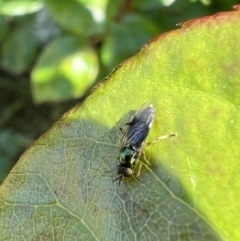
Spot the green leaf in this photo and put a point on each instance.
(72, 16)
(133, 30)
(19, 7)
(66, 69)
(96, 7)
(17, 56)
(62, 188)
(3, 29)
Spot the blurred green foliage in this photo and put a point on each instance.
(54, 51)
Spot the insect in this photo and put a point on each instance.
(134, 141)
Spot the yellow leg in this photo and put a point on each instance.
(159, 139)
(139, 171)
(145, 158)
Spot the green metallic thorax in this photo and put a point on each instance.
(128, 156)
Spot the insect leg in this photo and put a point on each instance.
(139, 171)
(121, 128)
(123, 131)
(145, 158)
(118, 178)
(159, 139)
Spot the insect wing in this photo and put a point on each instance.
(139, 126)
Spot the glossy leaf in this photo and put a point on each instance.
(97, 8)
(66, 69)
(61, 188)
(134, 30)
(72, 16)
(19, 7)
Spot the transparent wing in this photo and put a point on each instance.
(139, 126)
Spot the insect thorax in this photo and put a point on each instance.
(128, 155)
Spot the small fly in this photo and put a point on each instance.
(134, 141)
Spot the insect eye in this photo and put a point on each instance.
(127, 172)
